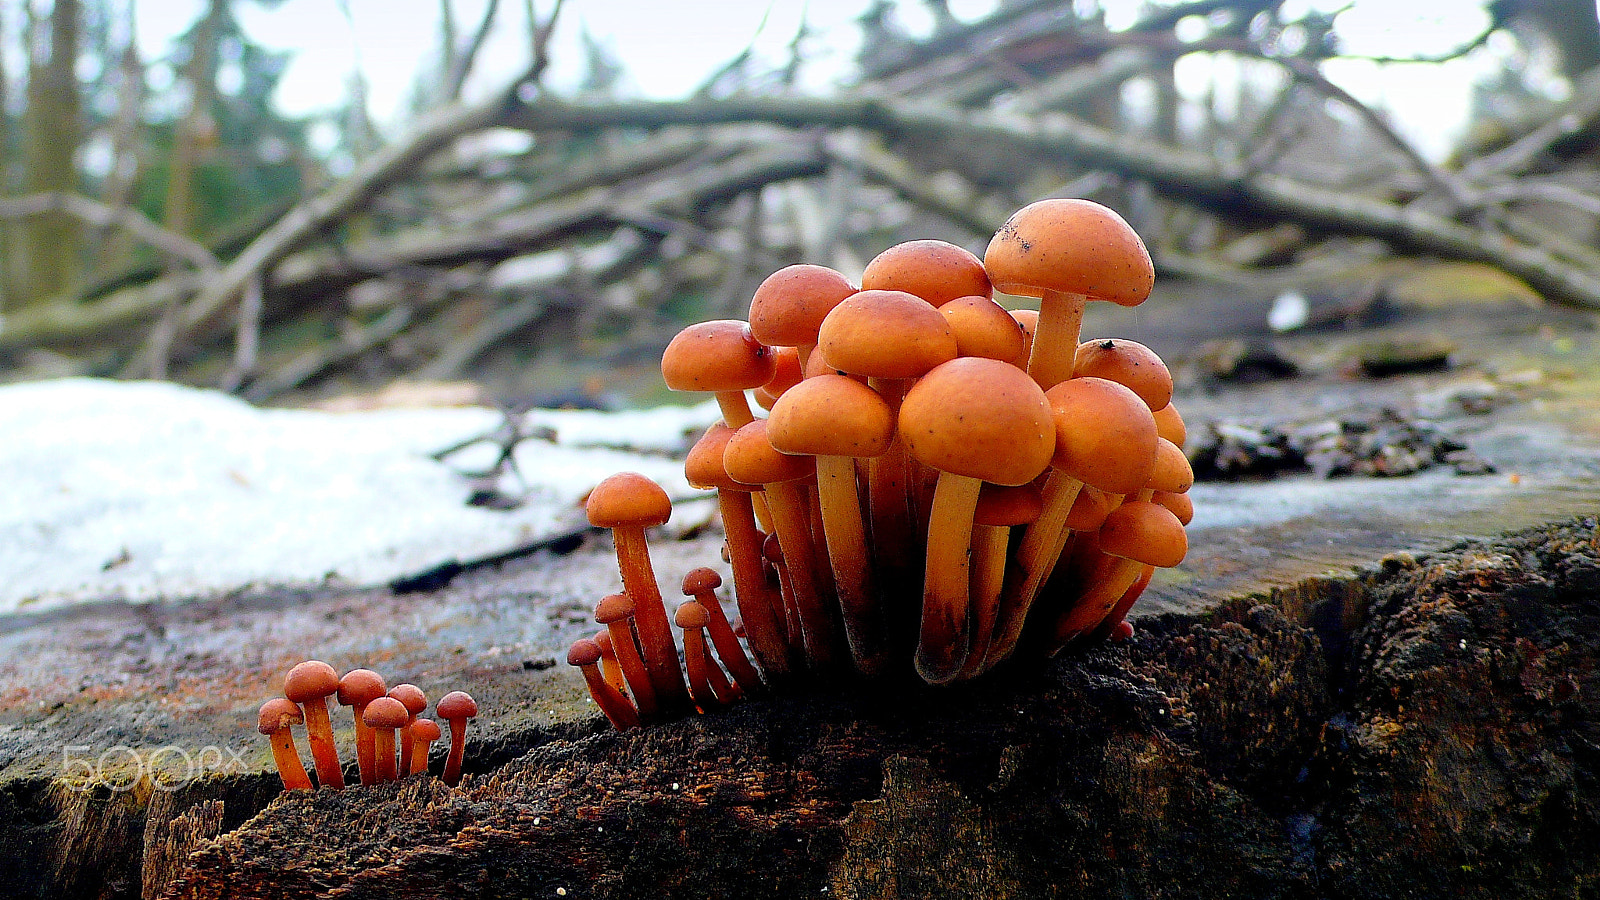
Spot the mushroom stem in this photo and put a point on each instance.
(1119, 613)
(610, 668)
(423, 733)
(1041, 545)
(290, 769)
(696, 660)
(845, 535)
(1055, 337)
(942, 643)
(889, 491)
(650, 616)
(624, 642)
(1111, 580)
(989, 545)
(735, 408)
(759, 605)
(456, 707)
(585, 654)
(383, 746)
(319, 735)
(789, 521)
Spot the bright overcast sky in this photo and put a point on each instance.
(671, 47)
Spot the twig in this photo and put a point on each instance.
(463, 60)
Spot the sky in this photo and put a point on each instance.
(670, 48)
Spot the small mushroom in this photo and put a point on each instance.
(1128, 363)
(616, 613)
(610, 668)
(1066, 252)
(789, 305)
(720, 356)
(760, 606)
(415, 701)
(751, 459)
(937, 271)
(692, 618)
(1135, 534)
(628, 503)
(384, 715)
(277, 715)
(974, 420)
(456, 708)
(701, 584)
(423, 733)
(838, 421)
(310, 684)
(983, 327)
(585, 655)
(358, 688)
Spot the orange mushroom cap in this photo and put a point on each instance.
(410, 696)
(386, 712)
(751, 458)
(360, 686)
(1144, 532)
(704, 467)
(1172, 472)
(426, 731)
(1105, 434)
(831, 415)
(981, 418)
(691, 614)
(613, 607)
(937, 271)
(310, 681)
(789, 305)
(885, 334)
(456, 705)
(1128, 363)
(1169, 424)
(628, 499)
(583, 652)
(983, 327)
(1180, 504)
(1070, 246)
(701, 579)
(1007, 505)
(277, 714)
(719, 355)
(786, 371)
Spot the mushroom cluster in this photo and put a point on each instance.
(392, 740)
(939, 485)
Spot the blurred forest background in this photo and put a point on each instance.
(536, 237)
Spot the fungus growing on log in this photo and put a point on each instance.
(423, 733)
(415, 701)
(628, 503)
(456, 707)
(358, 688)
(385, 716)
(585, 655)
(310, 684)
(277, 715)
(1002, 423)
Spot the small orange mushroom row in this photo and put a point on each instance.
(387, 722)
(939, 482)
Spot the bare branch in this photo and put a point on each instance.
(125, 217)
(462, 60)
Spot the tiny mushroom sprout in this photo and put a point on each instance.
(616, 613)
(760, 606)
(974, 420)
(310, 684)
(384, 715)
(277, 715)
(628, 503)
(585, 655)
(720, 356)
(701, 584)
(1065, 252)
(790, 304)
(358, 688)
(609, 666)
(456, 708)
(423, 733)
(937, 271)
(839, 420)
(415, 702)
